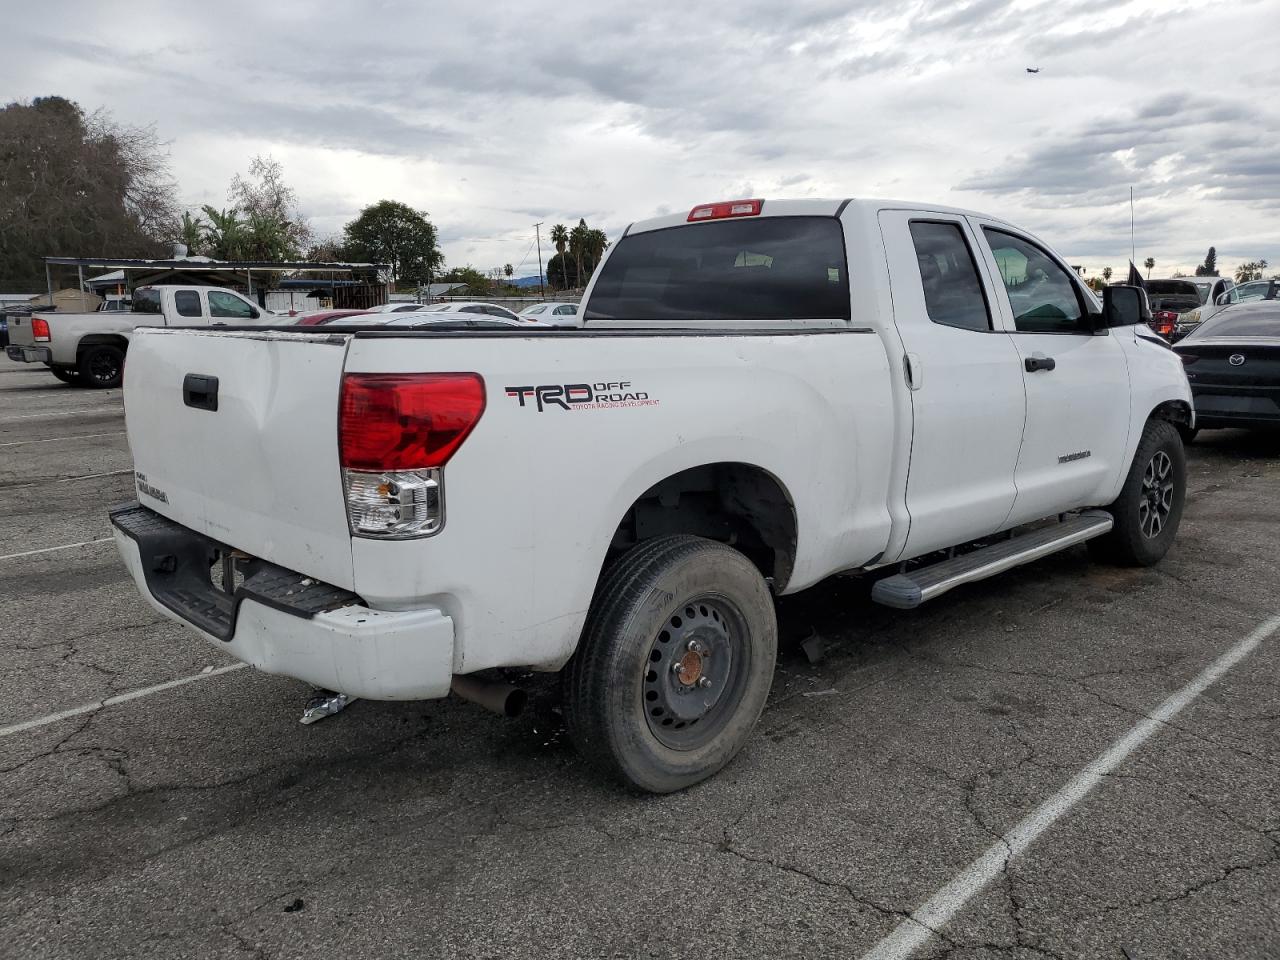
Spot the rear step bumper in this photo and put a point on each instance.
(906, 591)
(283, 622)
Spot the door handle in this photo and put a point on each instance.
(200, 391)
(1040, 363)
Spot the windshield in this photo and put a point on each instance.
(775, 268)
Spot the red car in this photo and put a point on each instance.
(327, 316)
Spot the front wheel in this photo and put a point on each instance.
(675, 663)
(1149, 508)
(102, 366)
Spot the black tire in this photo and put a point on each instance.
(639, 712)
(1149, 508)
(66, 374)
(102, 365)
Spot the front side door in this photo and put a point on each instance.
(966, 383)
(1077, 381)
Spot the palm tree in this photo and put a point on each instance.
(1149, 263)
(597, 243)
(578, 240)
(224, 234)
(508, 270)
(560, 236)
(192, 234)
(1106, 274)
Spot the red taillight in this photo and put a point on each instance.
(1163, 322)
(40, 329)
(722, 211)
(406, 421)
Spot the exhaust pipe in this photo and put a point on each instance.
(501, 698)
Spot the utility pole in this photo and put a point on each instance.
(537, 234)
(1132, 248)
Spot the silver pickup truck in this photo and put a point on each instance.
(88, 349)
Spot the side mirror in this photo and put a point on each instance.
(1124, 306)
(1223, 299)
(253, 313)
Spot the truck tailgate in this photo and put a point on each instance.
(257, 469)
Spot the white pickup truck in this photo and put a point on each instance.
(88, 349)
(762, 394)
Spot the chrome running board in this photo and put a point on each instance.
(908, 590)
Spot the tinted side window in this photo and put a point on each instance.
(228, 306)
(1041, 293)
(952, 291)
(187, 303)
(566, 311)
(472, 310)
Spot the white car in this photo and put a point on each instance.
(1252, 290)
(762, 394)
(396, 307)
(1180, 304)
(491, 309)
(553, 313)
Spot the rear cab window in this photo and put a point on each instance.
(953, 294)
(187, 303)
(768, 268)
(147, 300)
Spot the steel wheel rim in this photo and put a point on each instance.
(1156, 500)
(103, 367)
(695, 672)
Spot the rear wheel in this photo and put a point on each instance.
(675, 663)
(102, 365)
(1149, 508)
(66, 374)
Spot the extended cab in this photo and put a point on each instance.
(89, 348)
(761, 394)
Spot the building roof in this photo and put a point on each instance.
(204, 263)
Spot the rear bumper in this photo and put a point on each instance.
(284, 623)
(29, 354)
(1236, 406)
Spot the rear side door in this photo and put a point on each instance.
(1077, 381)
(188, 309)
(965, 377)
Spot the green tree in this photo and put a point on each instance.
(1210, 266)
(507, 271)
(477, 283)
(191, 232)
(1106, 275)
(1149, 263)
(579, 237)
(394, 233)
(77, 184)
(1253, 270)
(224, 237)
(560, 237)
(562, 272)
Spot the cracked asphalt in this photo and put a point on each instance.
(205, 821)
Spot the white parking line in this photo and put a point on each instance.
(118, 698)
(78, 436)
(87, 476)
(942, 907)
(62, 413)
(65, 546)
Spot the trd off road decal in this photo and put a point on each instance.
(581, 396)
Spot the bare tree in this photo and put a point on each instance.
(73, 184)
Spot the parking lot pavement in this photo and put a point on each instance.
(204, 820)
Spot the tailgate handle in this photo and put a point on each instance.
(200, 391)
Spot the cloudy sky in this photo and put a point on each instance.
(491, 116)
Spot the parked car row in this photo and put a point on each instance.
(88, 349)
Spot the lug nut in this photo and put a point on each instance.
(676, 667)
(697, 647)
(704, 683)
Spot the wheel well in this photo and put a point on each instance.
(735, 503)
(99, 339)
(1177, 412)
